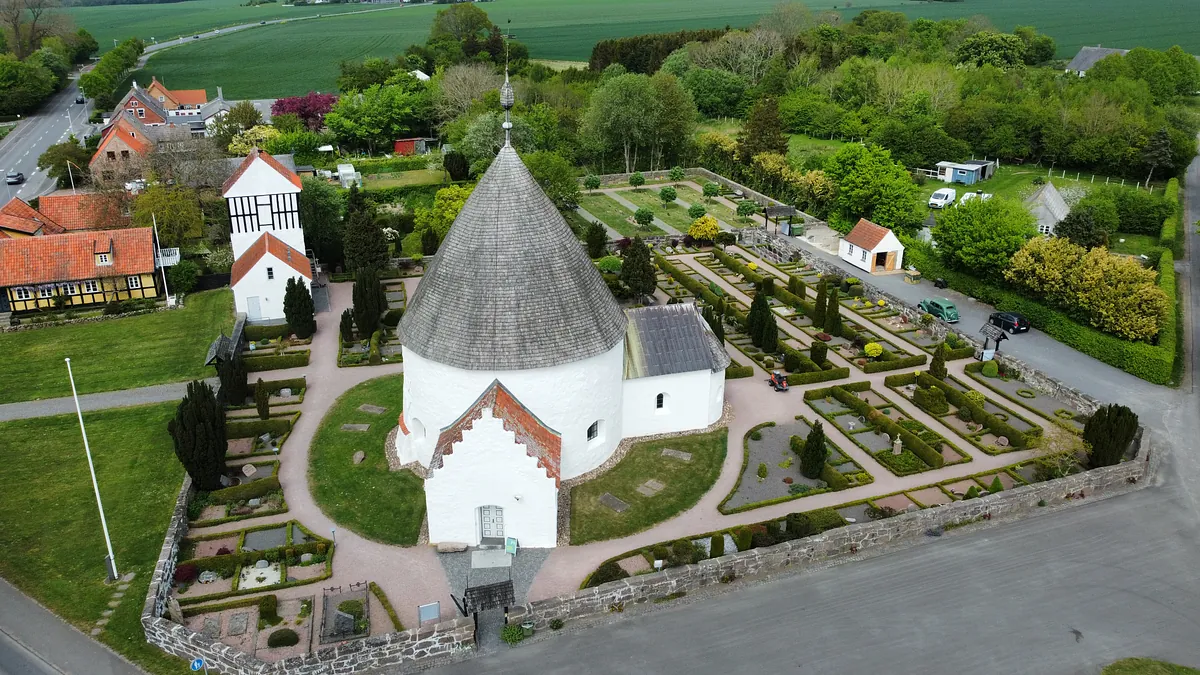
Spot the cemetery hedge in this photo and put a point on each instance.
(256, 333)
(255, 364)
(276, 426)
(910, 441)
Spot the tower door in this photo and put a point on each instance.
(253, 308)
(491, 525)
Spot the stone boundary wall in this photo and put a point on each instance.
(429, 643)
(786, 248)
(86, 319)
(842, 544)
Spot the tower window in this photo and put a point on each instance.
(594, 431)
(660, 401)
(270, 273)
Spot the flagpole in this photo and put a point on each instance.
(112, 560)
(158, 252)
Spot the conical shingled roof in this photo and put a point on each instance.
(511, 288)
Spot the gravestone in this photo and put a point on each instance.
(306, 558)
(174, 612)
(897, 445)
(265, 438)
(286, 392)
(343, 623)
(256, 501)
(650, 488)
(677, 454)
(613, 503)
(1002, 441)
(355, 427)
(212, 627)
(372, 409)
(359, 457)
(238, 623)
(261, 565)
(226, 481)
(208, 577)
(249, 470)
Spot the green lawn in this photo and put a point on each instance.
(1134, 244)
(403, 178)
(717, 209)
(367, 498)
(613, 214)
(53, 546)
(1016, 182)
(117, 354)
(672, 214)
(1147, 667)
(686, 482)
(802, 143)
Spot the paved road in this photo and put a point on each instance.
(35, 642)
(19, 151)
(158, 393)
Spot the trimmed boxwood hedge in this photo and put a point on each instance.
(1166, 237)
(738, 372)
(997, 426)
(296, 384)
(908, 439)
(833, 478)
(738, 266)
(276, 426)
(895, 363)
(257, 488)
(1149, 362)
(255, 364)
(256, 333)
(696, 288)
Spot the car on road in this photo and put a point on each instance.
(942, 198)
(195, 37)
(940, 308)
(978, 194)
(14, 178)
(80, 99)
(1009, 321)
(262, 23)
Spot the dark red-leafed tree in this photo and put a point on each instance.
(310, 108)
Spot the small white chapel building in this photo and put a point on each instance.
(268, 242)
(521, 370)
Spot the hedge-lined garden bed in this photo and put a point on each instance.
(969, 409)
(256, 364)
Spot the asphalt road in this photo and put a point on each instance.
(19, 151)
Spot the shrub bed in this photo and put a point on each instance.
(908, 440)
(255, 364)
(236, 493)
(256, 333)
(276, 426)
(735, 372)
(273, 387)
(994, 424)
(895, 363)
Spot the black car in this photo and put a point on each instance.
(1009, 321)
(80, 99)
(14, 178)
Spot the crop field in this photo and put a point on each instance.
(297, 57)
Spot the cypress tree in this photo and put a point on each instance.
(232, 374)
(346, 327)
(262, 400)
(1109, 432)
(796, 287)
(637, 272)
(818, 315)
(363, 242)
(759, 313)
(298, 309)
(769, 335)
(596, 238)
(812, 459)
(715, 322)
(819, 352)
(430, 242)
(833, 313)
(763, 131)
(368, 302)
(937, 367)
(198, 432)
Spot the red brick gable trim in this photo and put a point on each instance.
(540, 441)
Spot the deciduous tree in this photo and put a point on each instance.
(58, 159)
(870, 185)
(373, 117)
(321, 208)
(704, 228)
(763, 131)
(668, 195)
(310, 108)
(596, 238)
(981, 236)
(621, 114)
(556, 177)
(175, 209)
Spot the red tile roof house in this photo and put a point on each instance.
(872, 248)
(84, 268)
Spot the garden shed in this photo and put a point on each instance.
(872, 248)
(969, 172)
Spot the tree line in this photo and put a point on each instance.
(38, 49)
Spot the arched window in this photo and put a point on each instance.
(660, 401)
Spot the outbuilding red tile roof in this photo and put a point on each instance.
(269, 243)
(271, 162)
(89, 211)
(540, 441)
(18, 216)
(72, 257)
(867, 234)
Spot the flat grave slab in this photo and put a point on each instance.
(634, 564)
(677, 454)
(931, 496)
(651, 488)
(372, 409)
(355, 427)
(613, 503)
(854, 514)
(262, 540)
(899, 502)
(238, 623)
(487, 558)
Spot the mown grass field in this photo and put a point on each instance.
(303, 56)
(54, 548)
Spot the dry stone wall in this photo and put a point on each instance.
(427, 644)
(842, 544)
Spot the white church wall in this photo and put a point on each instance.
(716, 396)
(268, 291)
(489, 468)
(567, 398)
(686, 398)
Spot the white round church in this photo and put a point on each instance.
(521, 370)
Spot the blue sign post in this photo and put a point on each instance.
(198, 664)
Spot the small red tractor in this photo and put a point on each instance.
(778, 381)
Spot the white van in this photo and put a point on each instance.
(942, 198)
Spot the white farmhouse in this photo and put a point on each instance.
(521, 371)
(268, 242)
(872, 248)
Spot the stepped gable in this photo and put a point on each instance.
(511, 288)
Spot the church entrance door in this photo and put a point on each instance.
(491, 526)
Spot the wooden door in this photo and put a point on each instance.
(890, 262)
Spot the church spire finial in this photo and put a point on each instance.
(507, 99)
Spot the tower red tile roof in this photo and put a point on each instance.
(269, 243)
(867, 234)
(540, 441)
(89, 211)
(72, 257)
(271, 162)
(18, 216)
